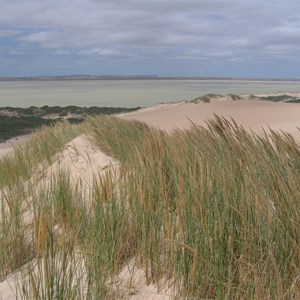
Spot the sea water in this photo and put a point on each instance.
(128, 93)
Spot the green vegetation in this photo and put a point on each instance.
(214, 212)
(282, 98)
(71, 109)
(16, 121)
(235, 97)
(274, 98)
(295, 100)
(14, 126)
(205, 98)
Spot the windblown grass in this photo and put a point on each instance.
(40, 148)
(213, 212)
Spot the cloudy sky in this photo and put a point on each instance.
(240, 38)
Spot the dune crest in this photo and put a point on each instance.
(82, 160)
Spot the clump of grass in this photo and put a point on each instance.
(211, 206)
(205, 98)
(114, 136)
(281, 98)
(212, 211)
(235, 97)
(40, 148)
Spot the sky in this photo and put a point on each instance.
(236, 38)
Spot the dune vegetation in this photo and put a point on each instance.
(212, 212)
(15, 121)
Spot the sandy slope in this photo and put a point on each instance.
(252, 114)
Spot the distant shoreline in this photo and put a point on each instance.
(91, 77)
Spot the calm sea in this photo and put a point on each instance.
(128, 93)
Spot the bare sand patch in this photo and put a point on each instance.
(252, 114)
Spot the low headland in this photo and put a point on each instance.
(195, 200)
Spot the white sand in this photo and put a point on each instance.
(82, 160)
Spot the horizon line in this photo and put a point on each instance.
(99, 77)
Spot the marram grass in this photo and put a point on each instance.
(213, 211)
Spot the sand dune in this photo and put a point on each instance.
(252, 114)
(84, 161)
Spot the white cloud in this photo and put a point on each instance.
(45, 39)
(98, 52)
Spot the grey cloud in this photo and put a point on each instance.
(40, 37)
(142, 23)
(156, 29)
(98, 52)
(5, 33)
(62, 52)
